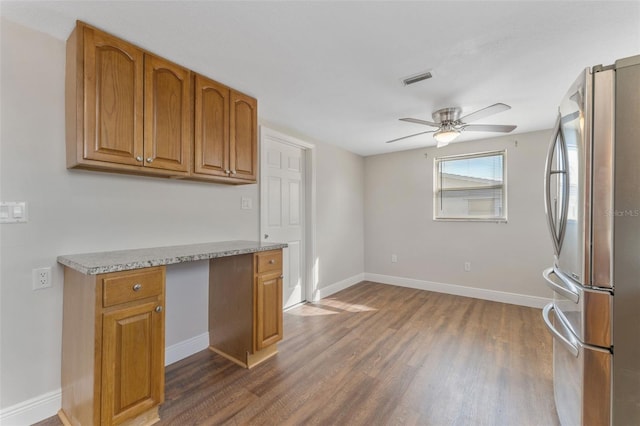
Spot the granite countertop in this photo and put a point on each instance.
(124, 260)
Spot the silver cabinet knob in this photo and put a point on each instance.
(137, 287)
(233, 172)
(266, 236)
(138, 158)
(149, 160)
(158, 309)
(281, 277)
(227, 171)
(272, 261)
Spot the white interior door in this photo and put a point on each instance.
(282, 212)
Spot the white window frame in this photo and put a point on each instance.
(436, 187)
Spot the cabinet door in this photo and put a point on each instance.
(113, 93)
(167, 119)
(211, 138)
(268, 310)
(243, 137)
(132, 361)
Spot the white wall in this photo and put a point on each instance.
(505, 257)
(73, 211)
(340, 213)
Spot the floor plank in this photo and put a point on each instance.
(375, 354)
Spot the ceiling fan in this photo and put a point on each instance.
(449, 124)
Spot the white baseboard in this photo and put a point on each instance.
(477, 293)
(181, 350)
(33, 410)
(336, 287)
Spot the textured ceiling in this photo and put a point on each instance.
(332, 71)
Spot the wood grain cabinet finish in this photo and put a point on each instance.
(226, 137)
(268, 310)
(127, 110)
(167, 118)
(243, 137)
(105, 89)
(113, 347)
(211, 134)
(245, 300)
(130, 111)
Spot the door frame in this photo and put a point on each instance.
(310, 264)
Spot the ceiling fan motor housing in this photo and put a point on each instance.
(447, 115)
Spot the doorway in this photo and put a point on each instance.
(287, 187)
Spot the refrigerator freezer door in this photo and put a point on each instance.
(587, 312)
(581, 376)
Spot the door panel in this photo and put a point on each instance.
(274, 206)
(211, 148)
(113, 81)
(243, 137)
(282, 215)
(294, 290)
(268, 315)
(167, 131)
(133, 362)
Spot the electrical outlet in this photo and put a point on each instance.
(467, 266)
(41, 278)
(394, 258)
(245, 203)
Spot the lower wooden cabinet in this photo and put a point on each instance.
(245, 299)
(113, 347)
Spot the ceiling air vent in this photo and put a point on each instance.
(416, 78)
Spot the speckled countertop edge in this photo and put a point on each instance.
(124, 260)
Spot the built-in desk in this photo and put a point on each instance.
(113, 323)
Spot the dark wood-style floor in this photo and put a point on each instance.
(375, 354)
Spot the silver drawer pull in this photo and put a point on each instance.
(158, 309)
(137, 287)
(272, 261)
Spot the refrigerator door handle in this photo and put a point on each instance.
(565, 287)
(557, 233)
(556, 334)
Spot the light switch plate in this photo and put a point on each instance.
(13, 212)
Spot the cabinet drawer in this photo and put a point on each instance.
(125, 287)
(269, 261)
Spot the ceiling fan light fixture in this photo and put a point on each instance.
(444, 136)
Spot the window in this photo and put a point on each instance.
(470, 187)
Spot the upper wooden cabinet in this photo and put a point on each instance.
(127, 110)
(167, 117)
(226, 137)
(211, 142)
(243, 137)
(108, 104)
(131, 111)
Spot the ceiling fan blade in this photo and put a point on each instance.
(502, 128)
(485, 112)
(418, 121)
(410, 136)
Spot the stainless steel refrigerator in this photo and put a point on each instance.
(592, 201)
